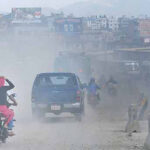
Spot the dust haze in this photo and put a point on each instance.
(23, 56)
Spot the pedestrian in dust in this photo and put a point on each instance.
(143, 104)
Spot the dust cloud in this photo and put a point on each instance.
(22, 58)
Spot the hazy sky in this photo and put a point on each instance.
(6, 5)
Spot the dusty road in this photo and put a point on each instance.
(100, 130)
(65, 133)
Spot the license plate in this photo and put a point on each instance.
(55, 107)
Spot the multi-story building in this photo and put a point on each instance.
(123, 23)
(97, 23)
(68, 25)
(113, 24)
(104, 22)
(70, 30)
(144, 29)
(128, 33)
(51, 20)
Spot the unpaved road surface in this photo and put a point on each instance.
(96, 132)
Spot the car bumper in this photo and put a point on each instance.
(70, 107)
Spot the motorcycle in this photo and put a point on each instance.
(112, 89)
(4, 131)
(93, 99)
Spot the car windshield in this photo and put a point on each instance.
(56, 81)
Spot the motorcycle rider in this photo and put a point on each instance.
(93, 87)
(8, 113)
(102, 80)
(111, 85)
(11, 123)
(111, 80)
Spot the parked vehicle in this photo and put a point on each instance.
(57, 93)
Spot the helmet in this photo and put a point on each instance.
(92, 80)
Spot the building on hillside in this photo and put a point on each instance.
(51, 20)
(144, 28)
(70, 30)
(68, 25)
(123, 22)
(96, 23)
(128, 32)
(57, 15)
(89, 21)
(113, 24)
(104, 22)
